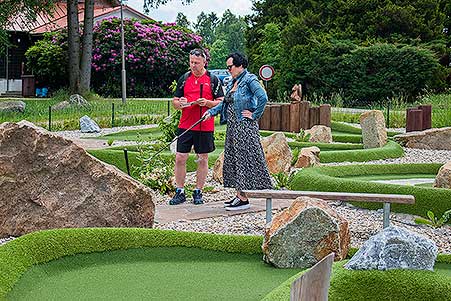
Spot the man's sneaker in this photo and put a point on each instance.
(228, 203)
(238, 204)
(178, 198)
(197, 197)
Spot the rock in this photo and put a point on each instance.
(78, 100)
(277, 153)
(308, 156)
(296, 93)
(395, 248)
(217, 169)
(320, 133)
(47, 181)
(439, 139)
(61, 106)
(304, 233)
(374, 133)
(12, 106)
(443, 178)
(87, 125)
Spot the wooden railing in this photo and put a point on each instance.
(386, 199)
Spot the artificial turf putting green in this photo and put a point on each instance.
(162, 273)
(390, 177)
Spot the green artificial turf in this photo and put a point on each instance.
(390, 177)
(396, 285)
(151, 274)
(333, 178)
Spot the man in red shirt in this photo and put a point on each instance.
(197, 91)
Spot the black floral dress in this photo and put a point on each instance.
(244, 161)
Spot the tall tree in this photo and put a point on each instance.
(86, 57)
(206, 26)
(27, 9)
(182, 20)
(73, 41)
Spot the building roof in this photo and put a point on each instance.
(58, 19)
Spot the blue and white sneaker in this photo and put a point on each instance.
(178, 198)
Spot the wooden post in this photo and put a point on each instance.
(414, 120)
(295, 121)
(313, 284)
(427, 116)
(276, 117)
(304, 115)
(324, 114)
(285, 117)
(313, 116)
(265, 120)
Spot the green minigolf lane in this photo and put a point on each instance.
(174, 273)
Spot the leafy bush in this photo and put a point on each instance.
(433, 220)
(168, 125)
(155, 55)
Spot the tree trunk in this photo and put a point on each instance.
(86, 55)
(73, 39)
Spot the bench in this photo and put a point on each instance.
(386, 199)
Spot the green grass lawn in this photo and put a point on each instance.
(174, 273)
(389, 177)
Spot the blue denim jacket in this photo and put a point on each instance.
(249, 95)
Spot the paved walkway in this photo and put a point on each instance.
(189, 211)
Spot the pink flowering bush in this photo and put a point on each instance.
(155, 55)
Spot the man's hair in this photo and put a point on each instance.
(238, 59)
(198, 52)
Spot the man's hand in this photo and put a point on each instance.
(202, 102)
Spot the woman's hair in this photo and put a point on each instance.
(238, 59)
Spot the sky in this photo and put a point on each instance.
(168, 12)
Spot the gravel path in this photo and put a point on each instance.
(363, 223)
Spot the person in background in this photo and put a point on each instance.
(244, 161)
(196, 92)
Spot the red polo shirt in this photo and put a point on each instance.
(192, 114)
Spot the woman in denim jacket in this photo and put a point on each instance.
(244, 161)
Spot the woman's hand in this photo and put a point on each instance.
(247, 114)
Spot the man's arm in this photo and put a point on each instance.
(209, 103)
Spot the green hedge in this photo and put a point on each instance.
(39, 247)
(329, 178)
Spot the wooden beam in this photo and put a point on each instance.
(332, 196)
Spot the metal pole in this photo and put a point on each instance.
(169, 107)
(112, 115)
(7, 69)
(50, 118)
(126, 161)
(386, 221)
(388, 113)
(268, 210)
(123, 75)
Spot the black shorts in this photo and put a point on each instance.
(204, 142)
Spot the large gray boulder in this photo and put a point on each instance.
(12, 106)
(304, 233)
(277, 152)
(87, 125)
(428, 139)
(374, 133)
(395, 248)
(47, 181)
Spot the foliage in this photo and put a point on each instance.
(347, 47)
(168, 125)
(182, 20)
(433, 220)
(282, 179)
(155, 55)
(154, 170)
(302, 136)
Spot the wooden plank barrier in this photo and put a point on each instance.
(285, 122)
(295, 121)
(314, 284)
(427, 116)
(276, 118)
(265, 120)
(386, 199)
(313, 116)
(414, 120)
(304, 115)
(325, 114)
